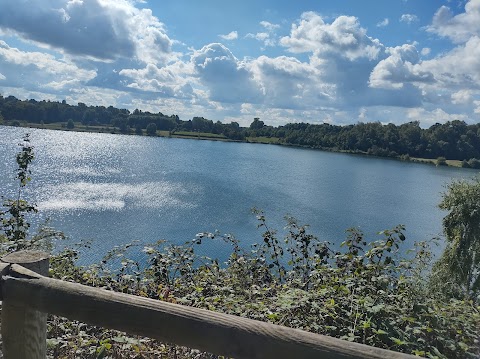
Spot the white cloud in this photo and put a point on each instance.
(362, 114)
(173, 80)
(408, 18)
(2, 77)
(425, 51)
(230, 36)
(343, 36)
(399, 68)
(458, 28)
(268, 37)
(383, 23)
(269, 26)
(262, 37)
(477, 108)
(462, 97)
(36, 70)
(459, 67)
(228, 79)
(288, 83)
(101, 29)
(429, 117)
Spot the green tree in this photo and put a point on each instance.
(138, 129)
(441, 161)
(256, 124)
(70, 124)
(151, 129)
(459, 267)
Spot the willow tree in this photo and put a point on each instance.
(459, 267)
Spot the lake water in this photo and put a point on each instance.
(113, 189)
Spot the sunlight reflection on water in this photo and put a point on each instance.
(111, 196)
(113, 189)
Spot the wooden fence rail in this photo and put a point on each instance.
(27, 295)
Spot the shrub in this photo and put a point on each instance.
(474, 163)
(364, 291)
(151, 129)
(441, 161)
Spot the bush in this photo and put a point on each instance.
(474, 163)
(70, 124)
(441, 161)
(364, 291)
(151, 129)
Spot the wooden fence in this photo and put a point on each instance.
(28, 294)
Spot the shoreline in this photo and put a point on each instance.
(217, 137)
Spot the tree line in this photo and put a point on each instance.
(455, 140)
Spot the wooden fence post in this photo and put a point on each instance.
(24, 331)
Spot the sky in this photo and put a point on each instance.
(339, 62)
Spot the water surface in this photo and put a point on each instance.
(113, 189)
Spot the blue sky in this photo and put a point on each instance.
(338, 62)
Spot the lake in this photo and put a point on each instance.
(114, 189)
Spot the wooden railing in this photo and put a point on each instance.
(28, 295)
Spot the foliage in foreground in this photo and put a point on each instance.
(367, 292)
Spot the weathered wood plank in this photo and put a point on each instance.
(24, 329)
(192, 327)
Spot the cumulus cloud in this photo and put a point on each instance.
(383, 23)
(408, 18)
(458, 67)
(34, 70)
(227, 78)
(458, 28)
(461, 97)
(399, 68)
(477, 107)
(343, 36)
(430, 117)
(268, 37)
(2, 77)
(269, 26)
(230, 36)
(288, 83)
(169, 81)
(101, 29)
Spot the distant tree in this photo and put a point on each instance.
(88, 117)
(441, 161)
(151, 129)
(474, 163)
(138, 129)
(70, 124)
(256, 124)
